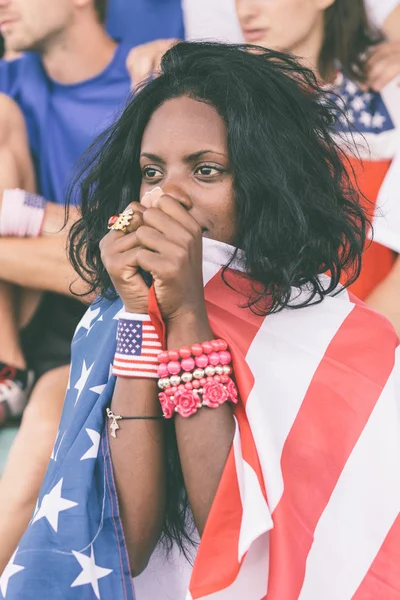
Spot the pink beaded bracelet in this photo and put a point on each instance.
(194, 377)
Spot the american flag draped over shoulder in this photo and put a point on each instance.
(371, 121)
(309, 502)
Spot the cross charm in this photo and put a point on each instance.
(114, 422)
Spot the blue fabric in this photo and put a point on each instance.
(63, 120)
(140, 21)
(76, 522)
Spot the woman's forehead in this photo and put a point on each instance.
(184, 122)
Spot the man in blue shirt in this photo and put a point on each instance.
(70, 85)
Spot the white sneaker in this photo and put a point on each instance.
(14, 395)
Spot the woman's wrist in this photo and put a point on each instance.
(188, 328)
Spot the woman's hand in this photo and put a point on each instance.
(119, 255)
(171, 250)
(383, 65)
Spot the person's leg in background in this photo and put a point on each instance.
(16, 171)
(30, 453)
(28, 459)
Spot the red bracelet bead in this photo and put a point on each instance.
(223, 345)
(207, 347)
(162, 370)
(202, 361)
(225, 357)
(196, 384)
(173, 355)
(215, 345)
(188, 364)
(214, 358)
(188, 386)
(174, 367)
(197, 349)
(163, 357)
(185, 352)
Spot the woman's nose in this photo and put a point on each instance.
(246, 10)
(179, 193)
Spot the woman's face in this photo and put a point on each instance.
(184, 151)
(294, 26)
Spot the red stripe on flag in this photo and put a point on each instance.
(217, 565)
(382, 581)
(335, 410)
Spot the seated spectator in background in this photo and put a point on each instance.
(70, 85)
(383, 64)
(332, 37)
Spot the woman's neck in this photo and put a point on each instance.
(309, 49)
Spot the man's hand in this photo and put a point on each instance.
(145, 59)
(383, 65)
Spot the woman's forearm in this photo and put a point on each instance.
(138, 456)
(205, 439)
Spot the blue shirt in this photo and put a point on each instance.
(139, 21)
(63, 120)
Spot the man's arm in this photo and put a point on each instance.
(41, 264)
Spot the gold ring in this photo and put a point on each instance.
(121, 222)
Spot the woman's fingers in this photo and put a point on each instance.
(154, 240)
(174, 209)
(115, 236)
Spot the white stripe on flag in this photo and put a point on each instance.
(123, 357)
(281, 346)
(137, 374)
(133, 364)
(366, 500)
(252, 580)
(256, 517)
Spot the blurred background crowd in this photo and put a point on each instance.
(68, 68)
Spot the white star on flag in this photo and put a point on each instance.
(94, 449)
(378, 120)
(80, 384)
(118, 314)
(365, 119)
(98, 389)
(351, 88)
(52, 505)
(86, 321)
(91, 573)
(8, 572)
(358, 103)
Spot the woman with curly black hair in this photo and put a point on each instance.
(249, 424)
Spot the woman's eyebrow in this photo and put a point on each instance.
(196, 155)
(154, 157)
(188, 159)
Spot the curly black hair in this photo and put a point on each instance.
(298, 213)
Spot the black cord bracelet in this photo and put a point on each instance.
(115, 418)
(144, 418)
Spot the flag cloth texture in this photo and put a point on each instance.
(308, 505)
(369, 126)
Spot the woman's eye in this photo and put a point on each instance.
(208, 170)
(151, 173)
